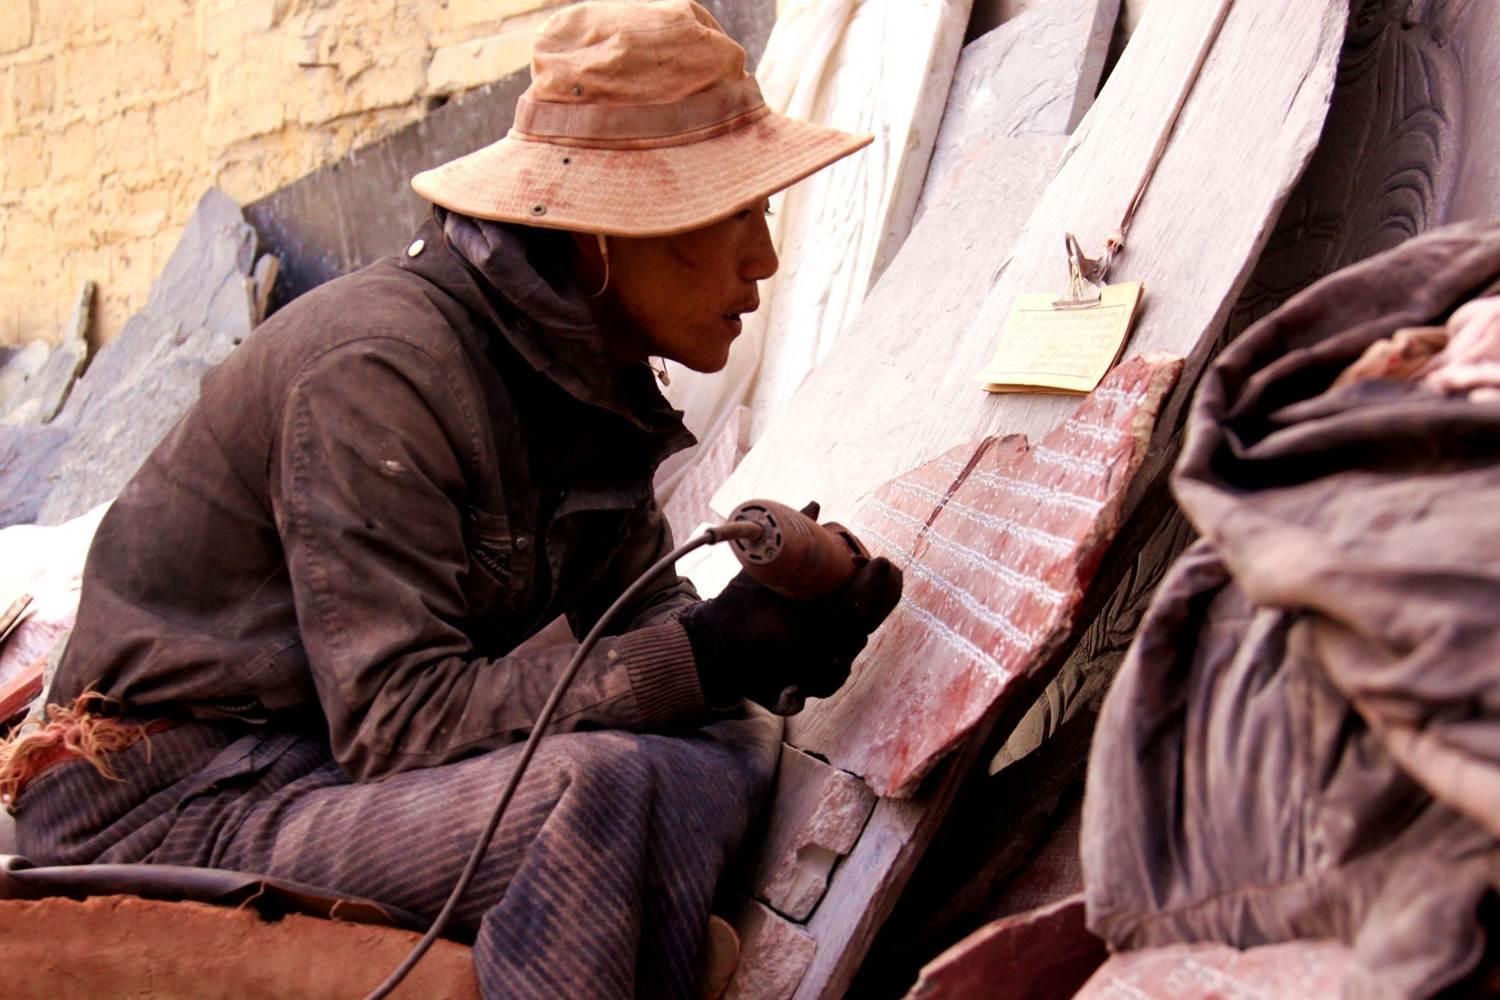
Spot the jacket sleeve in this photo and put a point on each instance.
(369, 504)
(648, 537)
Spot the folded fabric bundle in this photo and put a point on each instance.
(1304, 741)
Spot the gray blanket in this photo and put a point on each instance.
(1304, 740)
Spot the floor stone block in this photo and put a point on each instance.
(817, 814)
(774, 956)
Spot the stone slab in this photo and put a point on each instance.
(1216, 972)
(43, 394)
(840, 228)
(1262, 99)
(817, 814)
(21, 366)
(774, 956)
(23, 658)
(113, 946)
(1034, 75)
(970, 214)
(998, 543)
(1045, 954)
(1008, 845)
(1475, 30)
(143, 381)
(361, 207)
(29, 457)
(1391, 162)
(688, 505)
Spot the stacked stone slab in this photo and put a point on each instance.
(905, 395)
(138, 385)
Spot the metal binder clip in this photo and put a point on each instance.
(1085, 276)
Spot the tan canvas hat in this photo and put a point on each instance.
(640, 121)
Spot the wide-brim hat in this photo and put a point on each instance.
(640, 121)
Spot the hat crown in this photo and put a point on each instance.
(632, 54)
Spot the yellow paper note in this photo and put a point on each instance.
(1048, 348)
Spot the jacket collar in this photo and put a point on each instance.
(514, 277)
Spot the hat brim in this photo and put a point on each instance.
(634, 192)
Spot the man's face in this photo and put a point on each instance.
(681, 297)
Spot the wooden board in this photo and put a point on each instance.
(1036, 76)
(123, 946)
(1246, 134)
(998, 544)
(888, 75)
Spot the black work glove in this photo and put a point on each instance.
(750, 642)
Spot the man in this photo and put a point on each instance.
(296, 645)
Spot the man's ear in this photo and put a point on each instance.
(591, 261)
(586, 249)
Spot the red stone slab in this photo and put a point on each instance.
(998, 542)
(1043, 954)
(1219, 972)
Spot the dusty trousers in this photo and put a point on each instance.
(597, 884)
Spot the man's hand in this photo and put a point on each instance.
(750, 642)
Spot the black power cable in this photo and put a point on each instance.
(743, 530)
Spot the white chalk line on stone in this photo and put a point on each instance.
(973, 605)
(1087, 466)
(949, 635)
(1102, 433)
(1036, 536)
(1119, 989)
(1195, 973)
(972, 558)
(1033, 491)
(1119, 397)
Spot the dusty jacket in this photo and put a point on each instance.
(1304, 740)
(395, 480)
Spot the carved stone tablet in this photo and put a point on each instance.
(998, 543)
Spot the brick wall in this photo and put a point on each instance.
(115, 115)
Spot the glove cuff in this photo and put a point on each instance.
(703, 634)
(663, 673)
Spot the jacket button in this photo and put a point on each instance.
(417, 246)
(522, 543)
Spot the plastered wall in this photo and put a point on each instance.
(115, 115)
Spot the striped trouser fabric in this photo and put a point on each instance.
(597, 884)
